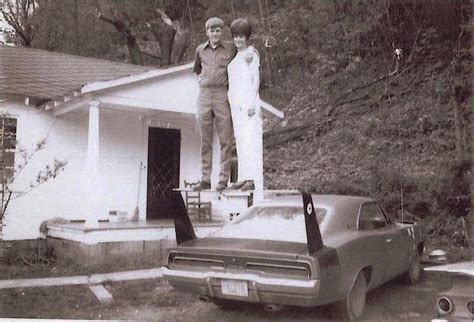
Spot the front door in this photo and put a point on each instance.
(163, 171)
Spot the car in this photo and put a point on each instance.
(300, 250)
(456, 303)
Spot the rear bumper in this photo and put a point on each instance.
(261, 289)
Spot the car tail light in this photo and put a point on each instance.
(279, 269)
(444, 305)
(193, 262)
(470, 307)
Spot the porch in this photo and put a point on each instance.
(144, 241)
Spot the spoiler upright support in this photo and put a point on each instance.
(182, 224)
(313, 233)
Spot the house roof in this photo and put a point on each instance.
(46, 75)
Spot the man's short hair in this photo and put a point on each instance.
(214, 22)
(241, 27)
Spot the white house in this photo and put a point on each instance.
(127, 132)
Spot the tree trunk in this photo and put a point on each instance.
(135, 53)
(188, 5)
(180, 44)
(126, 33)
(460, 130)
(76, 26)
(164, 35)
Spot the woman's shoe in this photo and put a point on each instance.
(248, 185)
(237, 185)
(221, 186)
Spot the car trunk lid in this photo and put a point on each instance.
(270, 257)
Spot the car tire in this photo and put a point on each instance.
(414, 273)
(353, 305)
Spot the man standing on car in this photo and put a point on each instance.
(212, 58)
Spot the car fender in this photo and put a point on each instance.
(353, 257)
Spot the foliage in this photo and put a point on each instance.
(446, 231)
(39, 254)
(398, 126)
(48, 173)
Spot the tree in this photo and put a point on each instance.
(123, 23)
(170, 35)
(19, 14)
(145, 19)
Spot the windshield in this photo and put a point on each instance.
(270, 223)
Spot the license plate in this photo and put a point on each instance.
(234, 287)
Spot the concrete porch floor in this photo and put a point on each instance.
(143, 241)
(124, 231)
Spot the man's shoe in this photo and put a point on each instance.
(202, 185)
(248, 185)
(221, 186)
(237, 185)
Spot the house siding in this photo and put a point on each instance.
(123, 144)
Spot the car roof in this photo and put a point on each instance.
(327, 200)
(345, 209)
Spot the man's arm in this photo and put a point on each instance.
(197, 63)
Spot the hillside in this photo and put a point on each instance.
(362, 120)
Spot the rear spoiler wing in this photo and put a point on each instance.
(184, 228)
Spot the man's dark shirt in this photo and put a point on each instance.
(211, 64)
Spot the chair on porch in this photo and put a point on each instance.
(197, 209)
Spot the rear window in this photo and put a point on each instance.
(270, 223)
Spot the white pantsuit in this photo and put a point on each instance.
(243, 72)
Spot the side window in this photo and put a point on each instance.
(371, 217)
(7, 148)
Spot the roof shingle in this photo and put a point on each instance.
(46, 75)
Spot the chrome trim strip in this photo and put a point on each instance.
(240, 276)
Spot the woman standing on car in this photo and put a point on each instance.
(244, 82)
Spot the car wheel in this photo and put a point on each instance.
(353, 305)
(413, 275)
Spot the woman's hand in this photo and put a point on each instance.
(249, 57)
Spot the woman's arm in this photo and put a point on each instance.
(254, 70)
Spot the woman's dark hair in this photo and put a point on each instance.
(241, 27)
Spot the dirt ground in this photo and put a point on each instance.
(156, 300)
(20, 269)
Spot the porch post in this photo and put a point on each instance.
(92, 165)
(258, 180)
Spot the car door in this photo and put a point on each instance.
(399, 244)
(388, 237)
